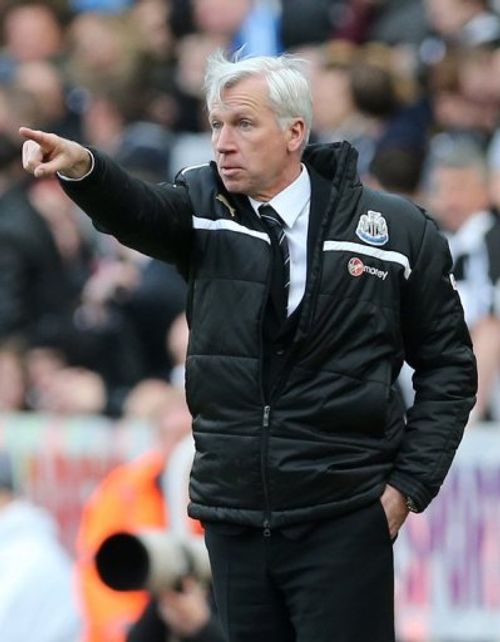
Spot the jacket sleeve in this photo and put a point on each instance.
(439, 349)
(153, 219)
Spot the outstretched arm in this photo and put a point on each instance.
(153, 219)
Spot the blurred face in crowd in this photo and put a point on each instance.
(255, 155)
(221, 17)
(457, 193)
(448, 16)
(151, 18)
(173, 423)
(44, 82)
(332, 99)
(192, 52)
(31, 32)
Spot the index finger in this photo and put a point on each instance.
(42, 138)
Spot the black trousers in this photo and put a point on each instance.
(332, 583)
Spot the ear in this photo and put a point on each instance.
(296, 132)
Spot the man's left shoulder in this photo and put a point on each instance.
(402, 220)
(399, 209)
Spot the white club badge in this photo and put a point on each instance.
(372, 228)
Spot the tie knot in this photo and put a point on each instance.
(270, 215)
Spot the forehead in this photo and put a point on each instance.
(250, 93)
(459, 175)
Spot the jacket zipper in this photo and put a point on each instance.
(264, 448)
(264, 470)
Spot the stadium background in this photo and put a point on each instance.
(91, 334)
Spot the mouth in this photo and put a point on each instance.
(229, 171)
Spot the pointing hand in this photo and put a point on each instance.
(45, 154)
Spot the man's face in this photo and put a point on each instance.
(456, 194)
(254, 154)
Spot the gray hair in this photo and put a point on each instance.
(289, 90)
(457, 152)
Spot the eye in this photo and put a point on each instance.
(215, 125)
(245, 123)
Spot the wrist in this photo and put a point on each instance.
(79, 170)
(411, 505)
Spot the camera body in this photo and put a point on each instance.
(152, 560)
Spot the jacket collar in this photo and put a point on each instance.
(333, 159)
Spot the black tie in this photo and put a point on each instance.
(280, 282)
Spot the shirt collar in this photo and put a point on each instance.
(290, 202)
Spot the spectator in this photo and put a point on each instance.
(458, 193)
(398, 170)
(134, 496)
(36, 598)
(463, 22)
(235, 23)
(104, 51)
(43, 363)
(305, 23)
(191, 53)
(151, 17)
(46, 83)
(32, 31)
(145, 401)
(456, 102)
(73, 391)
(399, 22)
(334, 113)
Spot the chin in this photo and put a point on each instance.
(235, 186)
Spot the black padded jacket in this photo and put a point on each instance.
(332, 431)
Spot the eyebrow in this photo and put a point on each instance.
(239, 113)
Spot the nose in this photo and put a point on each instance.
(224, 140)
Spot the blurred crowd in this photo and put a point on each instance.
(90, 327)
(413, 84)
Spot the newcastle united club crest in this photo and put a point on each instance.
(372, 228)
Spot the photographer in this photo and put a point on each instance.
(147, 493)
(186, 614)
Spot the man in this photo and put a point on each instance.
(459, 196)
(305, 467)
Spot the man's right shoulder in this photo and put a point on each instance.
(192, 173)
(202, 185)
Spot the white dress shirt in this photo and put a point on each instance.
(292, 204)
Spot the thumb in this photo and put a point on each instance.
(50, 168)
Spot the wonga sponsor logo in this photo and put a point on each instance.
(356, 267)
